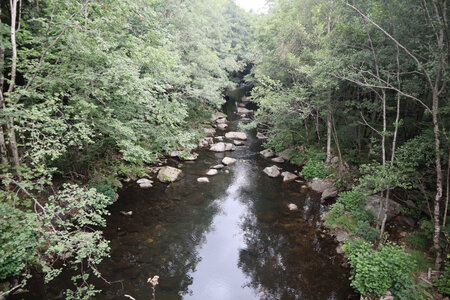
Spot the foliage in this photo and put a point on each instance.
(376, 271)
(18, 240)
(314, 168)
(443, 283)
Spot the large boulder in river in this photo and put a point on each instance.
(272, 171)
(373, 205)
(168, 174)
(228, 161)
(222, 147)
(234, 135)
(288, 176)
(320, 185)
(267, 153)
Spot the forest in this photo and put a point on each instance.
(95, 92)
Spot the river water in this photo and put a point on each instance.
(232, 238)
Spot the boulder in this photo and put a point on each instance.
(342, 236)
(222, 147)
(373, 205)
(292, 206)
(168, 174)
(145, 183)
(219, 166)
(175, 153)
(205, 142)
(278, 159)
(212, 172)
(267, 153)
(217, 115)
(234, 135)
(228, 161)
(222, 126)
(192, 156)
(221, 121)
(329, 194)
(243, 110)
(288, 176)
(320, 185)
(203, 180)
(220, 138)
(285, 154)
(272, 171)
(238, 143)
(260, 136)
(210, 132)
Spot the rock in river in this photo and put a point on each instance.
(203, 179)
(228, 161)
(145, 183)
(272, 171)
(168, 174)
(234, 135)
(238, 143)
(288, 176)
(219, 166)
(278, 159)
(222, 147)
(212, 172)
(267, 153)
(292, 206)
(210, 132)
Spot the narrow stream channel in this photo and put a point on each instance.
(232, 238)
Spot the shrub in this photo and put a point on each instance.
(419, 241)
(314, 168)
(352, 200)
(367, 232)
(376, 271)
(443, 283)
(17, 240)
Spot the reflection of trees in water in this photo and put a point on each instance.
(164, 244)
(288, 261)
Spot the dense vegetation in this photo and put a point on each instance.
(90, 91)
(364, 82)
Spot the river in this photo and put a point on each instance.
(232, 238)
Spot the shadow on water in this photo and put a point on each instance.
(232, 238)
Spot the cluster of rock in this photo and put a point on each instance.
(326, 188)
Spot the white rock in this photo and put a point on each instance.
(243, 110)
(267, 153)
(222, 126)
(329, 193)
(145, 183)
(212, 172)
(272, 171)
(168, 174)
(228, 161)
(234, 135)
(217, 115)
(260, 136)
(288, 176)
(320, 185)
(175, 153)
(210, 132)
(219, 166)
(203, 179)
(278, 159)
(238, 143)
(292, 206)
(221, 121)
(222, 147)
(220, 138)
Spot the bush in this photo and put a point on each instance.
(376, 271)
(352, 200)
(443, 283)
(17, 240)
(314, 168)
(367, 232)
